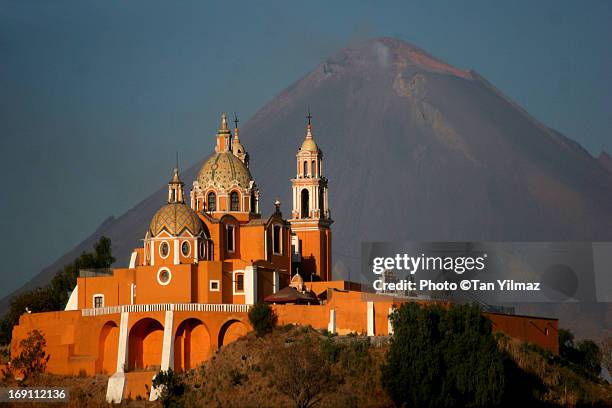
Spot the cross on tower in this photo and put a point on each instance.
(236, 120)
(309, 116)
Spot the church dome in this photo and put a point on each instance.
(175, 218)
(309, 145)
(224, 170)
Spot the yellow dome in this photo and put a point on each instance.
(223, 170)
(174, 218)
(309, 144)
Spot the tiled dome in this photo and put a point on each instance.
(175, 218)
(224, 170)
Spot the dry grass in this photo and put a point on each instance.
(561, 385)
(248, 372)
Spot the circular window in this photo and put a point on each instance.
(164, 249)
(164, 276)
(185, 248)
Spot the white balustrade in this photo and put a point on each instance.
(163, 307)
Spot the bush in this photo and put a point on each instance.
(301, 371)
(262, 318)
(32, 359)
(170, 388)
(584, 357)
(441, 357)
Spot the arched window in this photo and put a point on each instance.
(312, 168)
(212, 202)
(253, 203)
(234, 201)
(305, 169)
(305, 202)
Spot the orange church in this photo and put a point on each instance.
(207, 255)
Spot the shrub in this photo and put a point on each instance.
(300, 371)
(32, 359)
(584, 357)
(441, 357)
(170, 387)
(262, 318)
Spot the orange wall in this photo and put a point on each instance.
(315, 246)
(538, 330)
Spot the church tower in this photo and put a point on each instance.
(311, 218)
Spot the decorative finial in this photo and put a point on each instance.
(277, 205)
(309, 116)
(224, 122)
(236, 121)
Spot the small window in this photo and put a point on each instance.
(305, 169)
(312, 168)
(234, 201)
(98, 301)
(185, 248)
(212, 202)
(164, 249)
(164, 276)
(239, 282)
(214, 285)
(230, 238)
(276, 239)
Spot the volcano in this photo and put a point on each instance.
(415, 149)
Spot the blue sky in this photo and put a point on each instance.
(95, 97)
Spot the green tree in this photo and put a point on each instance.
(262, 318)
(55, 295)
(567, 348)
(301, 371)
(441, 357)
(32, 359)
(584, 357)
(590, 357)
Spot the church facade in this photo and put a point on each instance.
(207, 255)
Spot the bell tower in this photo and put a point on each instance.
(176, 188)
(311, 220)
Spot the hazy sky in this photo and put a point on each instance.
(95, 97)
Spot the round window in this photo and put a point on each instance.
(164, 276)
(164, 249)
(185, 248)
